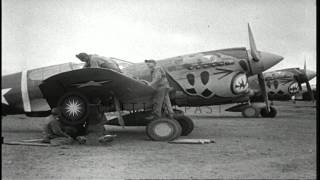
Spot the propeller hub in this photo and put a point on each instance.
(266, 61)
(269, 59)
(310, 74)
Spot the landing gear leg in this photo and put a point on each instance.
(265, 113)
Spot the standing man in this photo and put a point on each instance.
(160, 84)
(95, 61)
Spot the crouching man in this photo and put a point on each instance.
(95, 61)
(58, 133)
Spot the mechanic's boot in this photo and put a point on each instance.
(106, 138)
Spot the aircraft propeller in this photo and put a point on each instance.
(302, 77)
(256, 57)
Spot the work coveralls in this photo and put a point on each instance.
(54, 130)
(58, 133)
(160, 84)
(96, 61)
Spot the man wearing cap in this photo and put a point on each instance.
(95, 61)
(160, 84)
(58, 133)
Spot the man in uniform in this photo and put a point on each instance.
(58, 133)
(95, 61)
(160, 84)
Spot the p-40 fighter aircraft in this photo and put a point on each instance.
(204, 78)
(285, 83)
(281, 85)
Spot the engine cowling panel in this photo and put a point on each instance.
(207, 83)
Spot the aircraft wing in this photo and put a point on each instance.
(95, 82)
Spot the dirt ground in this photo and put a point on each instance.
(281, 147)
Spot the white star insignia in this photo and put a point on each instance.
(3, 92)
(91, 83)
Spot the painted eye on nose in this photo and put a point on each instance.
(204, 77)
(190, 78)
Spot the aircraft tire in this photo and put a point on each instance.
(306, 97)
(265, 113)
(250, 112)
(186, 124)
(163, 129)
(74, 108)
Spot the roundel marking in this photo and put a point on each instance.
(293, 88)
(239, 83)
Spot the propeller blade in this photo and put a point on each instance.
(310, 91)
(305, 66)
(264, 90)
(254, 52)
(300, 87)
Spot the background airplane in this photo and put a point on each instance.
(285, 83)
(199, 79)
(281, 85)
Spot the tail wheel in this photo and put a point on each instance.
(186, 123)
(250, 112)
(271, 113)
(163, 129)
(74, 108)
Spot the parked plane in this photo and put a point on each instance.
(198, 79)
(285, 83)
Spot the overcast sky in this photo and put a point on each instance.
(38, 33)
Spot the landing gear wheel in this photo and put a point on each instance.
(186, 124)
(163, 129)
(306, 97)
(74, 108)
(250, 111)
(265, 113)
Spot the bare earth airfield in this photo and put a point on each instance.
(281, 147)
